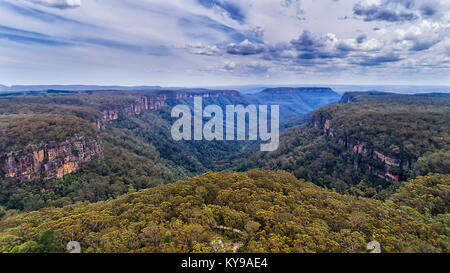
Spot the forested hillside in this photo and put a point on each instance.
(46, 138)
(365, 147)
(20, 130)
(256, 211)
(47, 157)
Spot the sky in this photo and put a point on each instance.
(220, 42)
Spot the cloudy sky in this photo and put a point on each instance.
(224, 42)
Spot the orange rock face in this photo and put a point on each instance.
(326, 126)
(39, 155)
(394, 178)
(63, 158)
(10, 175)
(154, 102)
(67, 168)
(364, 149)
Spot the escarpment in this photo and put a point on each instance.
(50, 160)
(155, 101)
(381, 164)
(142, 104)
(59, 144)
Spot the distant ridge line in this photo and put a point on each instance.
(22, 88)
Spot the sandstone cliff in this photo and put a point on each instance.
(54, 160)
(154, 102)
(386, 167)
(136, 108)
(50, 160)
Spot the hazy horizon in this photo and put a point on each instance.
(249, 88)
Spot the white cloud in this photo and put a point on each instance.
(60, 4)
(201, 49)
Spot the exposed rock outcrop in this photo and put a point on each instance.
(154, 102)
(54, 160)
(50, 161)
(144, 103)
(384, 166)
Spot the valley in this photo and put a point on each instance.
(107, 158)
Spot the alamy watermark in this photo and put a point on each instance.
(213, 129)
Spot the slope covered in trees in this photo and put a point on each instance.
(355, 147)
(21, 130)
(128, 164)
(139, 151)
(256, 211)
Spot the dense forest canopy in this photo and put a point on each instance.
(20, 130)
(387, 96)
(256, 211)
(397, 128)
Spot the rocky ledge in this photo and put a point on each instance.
(50, 161)
(386, 167)
(157, 100)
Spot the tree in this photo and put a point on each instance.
(168, 237)
(27, 247)
(8, 242)
(49, 242)
(252, 226)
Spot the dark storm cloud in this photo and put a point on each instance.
(311, 46)
(378, 60)
(361, 38)
(382, 13)
(307, 42)
(275, 52)
(419, 46)
(428, 9)
(422, 44)
(398, 10)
